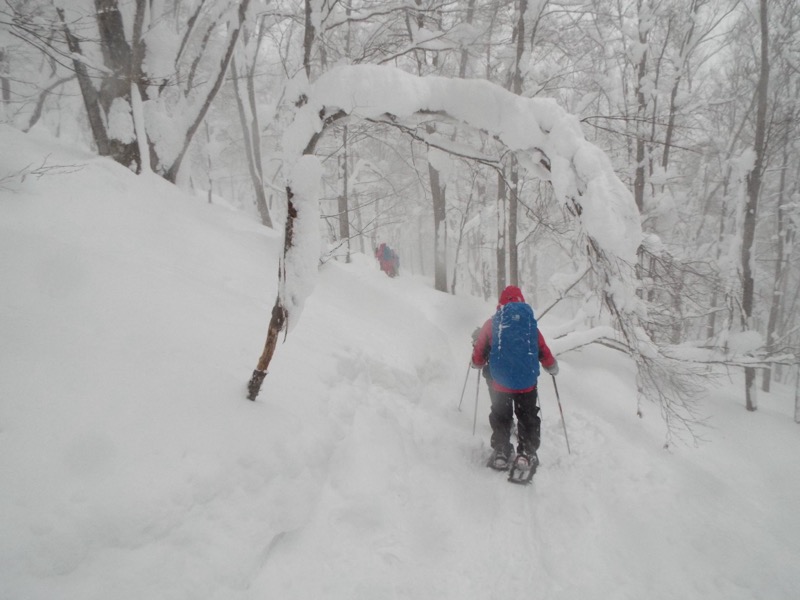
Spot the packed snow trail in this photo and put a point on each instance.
(132, 466)
(411, 511)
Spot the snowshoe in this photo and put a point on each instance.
(523, 468)
(499, 460)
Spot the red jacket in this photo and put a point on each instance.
(483, 345)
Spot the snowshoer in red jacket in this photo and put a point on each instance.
(388, 260)
(511, 346)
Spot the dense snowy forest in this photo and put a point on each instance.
(633, 163)
(192, 193)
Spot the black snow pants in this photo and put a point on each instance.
(501, 418)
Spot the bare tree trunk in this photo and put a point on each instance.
(171, 173)
(462, 68)
(359, 224)
(255, 129)
(438, 190)
(501, 233)
(117, 53)
(276, 324)
(439, 230)
(119, 58)
(253, 161)
(780, 264)
(420, 245)
(88, 91)
(751, 208)
(513, 204)
(308, 39)
(459, 243)
(138, 89)
(5, 82)
(683, 54)
(344, 167)
(641, 110)
(725, 184)
(462, 73)
(344, 211)
(513, 199)
(797, 397)
(209, 166)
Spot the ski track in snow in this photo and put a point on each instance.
(132, 467)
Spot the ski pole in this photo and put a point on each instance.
(464, 388)
(477, 391)
(563, 423)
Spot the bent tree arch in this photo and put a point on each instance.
(546, 141)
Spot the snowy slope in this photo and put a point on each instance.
(132, 467)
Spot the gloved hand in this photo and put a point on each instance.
(553, 369)
(475, 335)
(474, 366)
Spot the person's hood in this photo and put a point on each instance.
(511, 294)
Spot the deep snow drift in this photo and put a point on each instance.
(132, 467)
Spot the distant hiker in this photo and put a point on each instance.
(512, 347)
(388, 260)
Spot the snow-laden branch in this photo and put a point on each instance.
(717, 356)
(545, 139)
(564, 293)
(440, 142)
(438, 42)
(574, 340)
(526, 126)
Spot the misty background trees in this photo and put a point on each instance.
(695, 101)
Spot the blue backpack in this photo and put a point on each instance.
(514, 357)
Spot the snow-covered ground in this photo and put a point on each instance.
(132, 467)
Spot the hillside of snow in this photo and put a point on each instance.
(132, 466)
